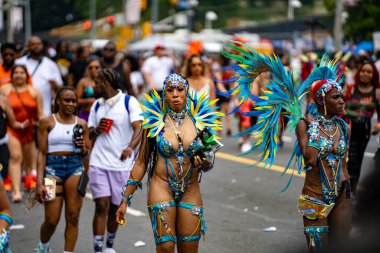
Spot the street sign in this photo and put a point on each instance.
(376, 41)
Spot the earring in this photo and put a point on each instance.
(324, 106)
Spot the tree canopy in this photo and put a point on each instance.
(363, 19)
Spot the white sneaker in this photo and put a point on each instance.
(245, 147)
(41, 249)
(109, 250)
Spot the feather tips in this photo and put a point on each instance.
(200, 107)
(153, 113)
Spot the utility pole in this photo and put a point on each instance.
(338, 25)
(290, 10)
(93, 20)
(10, 32)
(154, 13)
(28, 21)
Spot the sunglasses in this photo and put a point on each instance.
(93, 67)
(7, 54)
(196, 64)
(109, 49)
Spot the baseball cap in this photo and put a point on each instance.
(158, 47)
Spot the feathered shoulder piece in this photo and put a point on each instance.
(250, 64)
(204, 113)
(153, 113)
(280, 94)
(280, 98)
(200, 108)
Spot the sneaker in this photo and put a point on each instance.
(109, 250)
(8, 184)
(240, 141)
(30, 182)
(42, 249)
(245, 147)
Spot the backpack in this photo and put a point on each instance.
(126, 103)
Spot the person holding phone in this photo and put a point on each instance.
(170, 158)
(64, 159)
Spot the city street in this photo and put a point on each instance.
(240, 204)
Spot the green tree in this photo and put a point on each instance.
(363, 19)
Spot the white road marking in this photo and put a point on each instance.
(368, 154)
(238, 196)
(17, 227)
(131, 211)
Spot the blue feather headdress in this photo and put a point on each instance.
(281, 97)
(201, 109)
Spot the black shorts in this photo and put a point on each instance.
(4, 159)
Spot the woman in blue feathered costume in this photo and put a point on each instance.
(323, 140)
(322, 137)
(173, 163)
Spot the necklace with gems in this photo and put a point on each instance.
(180, 153)
(327, 124)
(177, 116)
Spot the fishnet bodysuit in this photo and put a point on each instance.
(180, 221)
(339, 219)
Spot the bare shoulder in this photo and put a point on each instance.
(33, 91)
(6, 89)
(47, 122)
(83, 81)
(309, 118)
(378, 95)
(82, 122)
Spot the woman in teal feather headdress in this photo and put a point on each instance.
(322, 137)
(174, 163)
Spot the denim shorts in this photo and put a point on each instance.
(63, 166)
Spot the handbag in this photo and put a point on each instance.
(82, 186)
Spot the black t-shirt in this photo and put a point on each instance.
(3, 123)
(77, 68)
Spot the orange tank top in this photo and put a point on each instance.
(24, 105)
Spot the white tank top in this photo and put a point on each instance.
(205, 88)
(60, 138)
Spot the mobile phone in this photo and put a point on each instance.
(77, 133)
(199, 153)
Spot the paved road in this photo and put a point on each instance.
(240, 202)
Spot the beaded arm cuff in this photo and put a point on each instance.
(130, 182)
(134, 182)
(7, 218)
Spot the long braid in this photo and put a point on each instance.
(112, 77)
